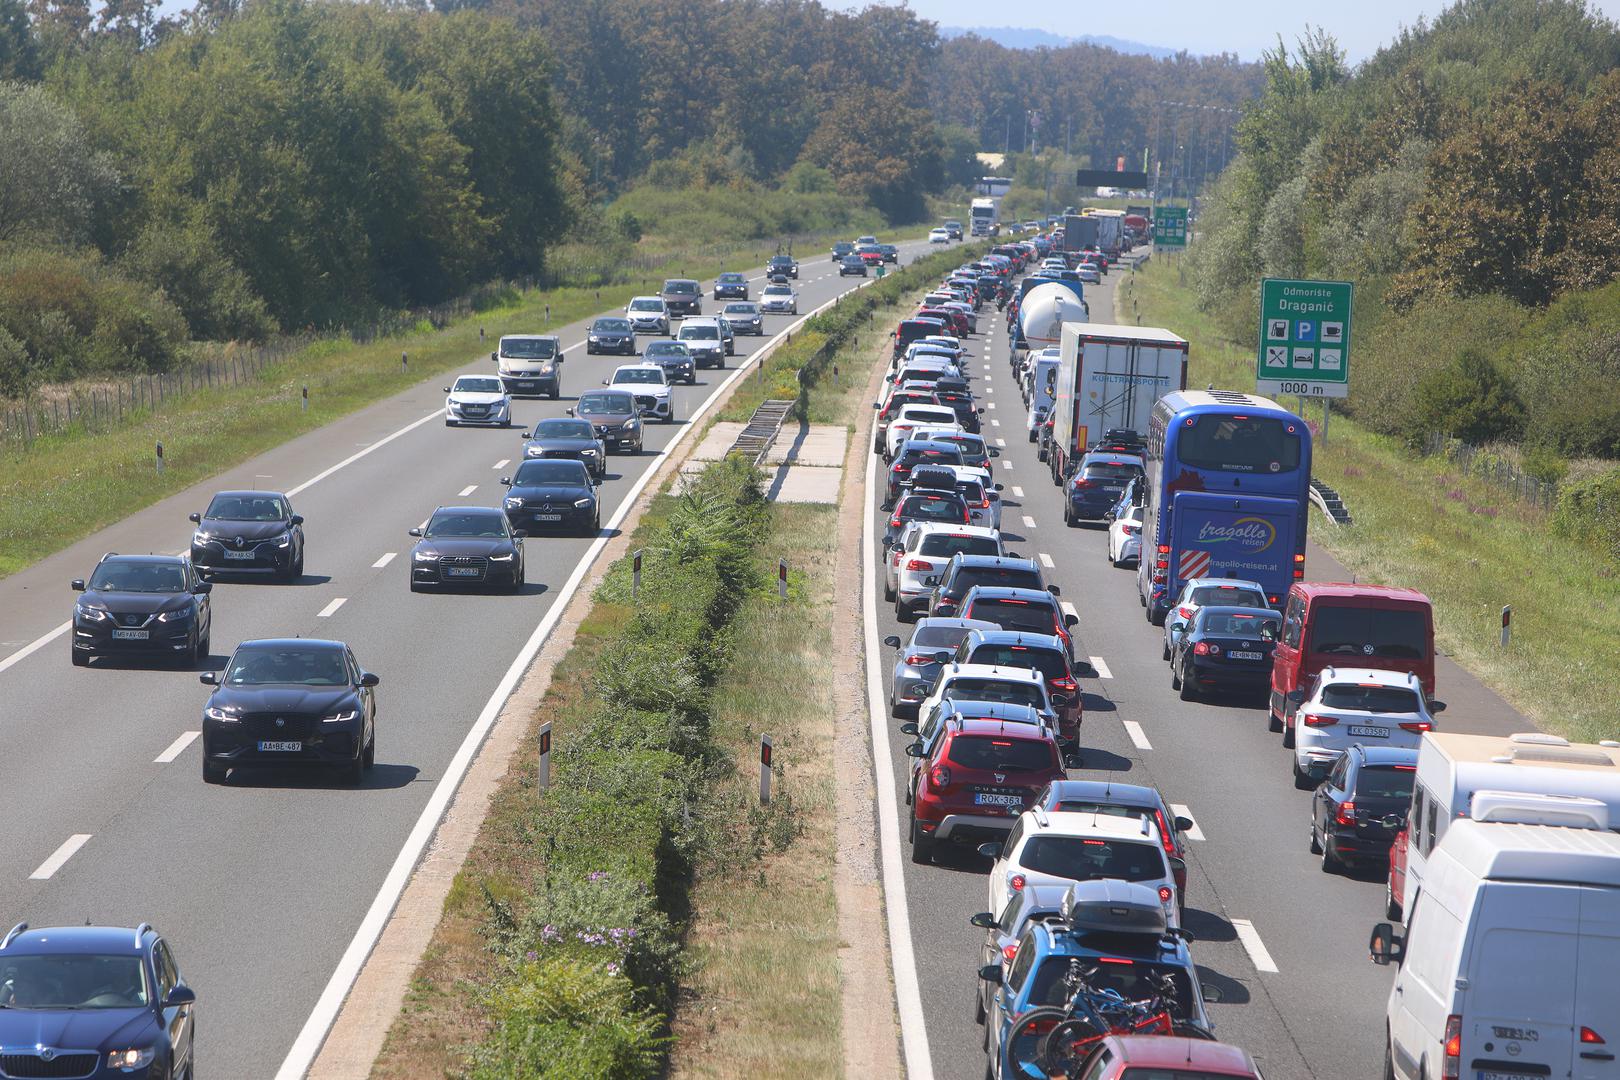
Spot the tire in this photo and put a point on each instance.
(298, 566)
(1392, 906)
(922, 847)
(1175, 677)
(1155, 616)
(80, 659)
(1189, 687)
(1302, 779)
(888, 591)
(212, 773)
(1330, 862)
(368, 756)
(1389, 1059)
(1164, 649)
(590, 350)
(1058, 1048)
(1273, 722)
(1288, 738)
(1316, 842)
(554, 392)
(355, 771)
(415, 587)
(903, 614)
(1046, 1014)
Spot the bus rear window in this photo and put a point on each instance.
(1397, 633)
(1232, 444)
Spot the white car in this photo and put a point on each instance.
(1196, 592)
(651, 386)
(1088, 273)
(1345, 706)
(648, 315)
(915, 416)
(948, 342)
(477, 399)
(985, 510)
(938, 236)
(1045, 848)
(989, 682)
(1125, 538)
(914, 564)
(779, 299)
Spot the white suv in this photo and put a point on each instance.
(916, 562)
(1345, 706)
(1045, 848)
(706, 340)
(990, 682)
(651, 387)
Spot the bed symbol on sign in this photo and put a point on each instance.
(1277, 356)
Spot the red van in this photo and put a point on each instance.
(1374, 626)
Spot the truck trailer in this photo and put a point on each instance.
(1109, 378)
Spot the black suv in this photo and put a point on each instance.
(964, 572)
(142, 605)
(249, 532)
(782, 264)
(682, 296)
(851, 264)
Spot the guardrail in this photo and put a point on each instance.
(1327, 500)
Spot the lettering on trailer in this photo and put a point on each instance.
(1193, 564)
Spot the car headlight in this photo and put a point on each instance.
(130, 1059)
(631, 423)
(340, 717)
(580, 504)
(513, 503)
(225, 715)
(508, 557)
(595, 338)
(200, 537)
(285, 540)
(175, 616)
(425, 556)
(92, 614)
(589, 453)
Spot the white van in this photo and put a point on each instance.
(530, 364)
(1453, 767)
(1511, 966)
(1042, 375)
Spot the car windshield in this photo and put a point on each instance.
(1134, 982)
(700, 333)
(742, 309)
(929, 508)
(933, 455)
(1086, 859)
(290, 665)
(529, 348)
(1013, 614)
(472, 384)
(1232, 624)
(1392, 632)
(943, 545)
(1003, 690)
(1238, 444)
(732, 279)
(646, 304)
(928, 416)
(535, 473)
(612, 326)
(1376, 699)
(1385, 781)
(1051, 664)
(1227, 596)
(604, 405)
(73, 981)
(1011, 577)
(667, 348)
(466, 523)
(247, 508)
(680, 288)
(1000, 755)
(141, 577)
(563, 429)
(639, 375)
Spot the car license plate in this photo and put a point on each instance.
(239, 554)
(1236, 655)
(131, 635)
(986, 798)
(548, 517)
(1368, 732)
(1498, 1074)
(281, 747)
(463, 571)
(931, 579)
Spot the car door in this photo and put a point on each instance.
(1521, 966)
(1329, 793)
(205, 606)
(176, 1018)
(1596, 961)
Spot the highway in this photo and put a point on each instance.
(261, 885)
(1283, 943)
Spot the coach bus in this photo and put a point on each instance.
(1227, 495)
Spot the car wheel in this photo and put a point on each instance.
(1175, 677)
(1164, 649)
(1288, 738)
(554, 392)
(212, 773)
(80, 659)
(1316, 841)
(922, 847)
(888, 590)
(1389, 1059)
(368, 756)
(1155, 616)
(590, 350)
(1330, 862)
(1189, 686)
(355, 771)
(415, 587)
(1303, 780)
(449, 423)
(903, 613)
(1273, 722)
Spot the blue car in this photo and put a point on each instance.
(1115, 926)
(1097, 485)
(91, 1002)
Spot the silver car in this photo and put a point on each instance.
(912, 567)
(745, 318)
(779, 299)
(917, 661)
(1196, 592)
(648, 315)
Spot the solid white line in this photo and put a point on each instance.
(175, 748)
(1101, 667)
(1018, 492)
(60, 856)
(1139, 737)
(326, 612)
(1029, 522)
(1046, 561)
(1180, 810)
(1253, 945)
(34, 646)
(388, 557)
(321, 1017)
(466, 491)
(501, 464)
(907, 991)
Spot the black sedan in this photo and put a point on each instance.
(785, 265)
(678, 358)
(891, 254)
(1227, 648)
(851, 264)
(611, 335)
(731, 287)
(290, 701)
(614, 417)
(1358, 809)
(567, 437)
(552, 495)
(142, 605)
(467, 545)
(249, 532)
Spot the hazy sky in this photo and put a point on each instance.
(1200, 26)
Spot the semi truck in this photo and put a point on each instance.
(1043, 310)
(1079, 234)
(985, 215)
(1110, 231)
(1108, 378)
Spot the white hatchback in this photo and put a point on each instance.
(1125, 537)
(912, 417)
(913, 566)
(1345, 706)
(1046, 848)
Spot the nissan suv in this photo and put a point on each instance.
(142, 605)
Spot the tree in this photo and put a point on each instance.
(50, 176)
(19, 53)
(881, 150)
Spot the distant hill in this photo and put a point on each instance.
(1021, 37)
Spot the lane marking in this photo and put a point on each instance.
(388, 557)
(1018, 492)
(1000, 441)
(1029, 522)
(501, 464)
(59, 856)
(1046, 561)
(358, 454)
(1253, 945)
(989, 404)
(1101, 667)
(1139, 737)
(326, 612)
(1180, 810)
(37, 644)
(468, 490)
(995, 423)
(176, 748)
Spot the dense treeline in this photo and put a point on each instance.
(1466, 177)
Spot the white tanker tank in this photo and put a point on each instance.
(1044, 310)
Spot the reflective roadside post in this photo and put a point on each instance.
(306, 398)
(764, 770)
(781, 578)
(1507, 625)
(635, 574)
(404, 363)
(544, 778)
(160, 459)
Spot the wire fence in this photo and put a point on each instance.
(1503, 471)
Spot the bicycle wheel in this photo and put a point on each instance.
(1021, 1054)
(1067, 1045)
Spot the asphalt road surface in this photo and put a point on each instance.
(260, 885)
(1283, 943)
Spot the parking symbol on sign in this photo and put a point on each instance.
(1277, 356)
(1277, 330)
(1305, 330)
(1328, 359)
(1304, 358)
(1332, 333)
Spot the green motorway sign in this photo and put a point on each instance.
(1170, 228)
(1304, 338)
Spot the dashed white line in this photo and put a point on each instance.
(1006, 463)
(1046, 561)
(326, 612)
(995, 423)
(63, 854)
(1253, 945)
(1139, 737)
(1180, 810)
(1100, 665)
(388, 557)
(468, 490)
(1000, 441)
(501, 464)
(176, 748)
(1029, 522)
(1018, 492)
(989, 404)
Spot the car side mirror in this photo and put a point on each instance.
(989, 850)
(915, 750)
(921, 689)
(1437, 706)
(77, 584)
(1059, 700)
(494, 358)
(877, 405)
(994, 452)
(991, 973)
(1182, 824)
(892, 641)
(525, 435)
(518, 535)
(368, 679)
(416, 532)
(606, 383)
(1189, 937)
(296, 519)
(943, 657)
(447, 389)
(908, 728)
(569, 410)
(209, 678)
(984, 920)
(1385, 945)
(180, 994)
(194, 517)
(1296, 696)
(1054, 590)
(1070, 619)
(996, 487)
(203, 588)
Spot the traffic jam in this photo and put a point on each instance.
(1050, 865)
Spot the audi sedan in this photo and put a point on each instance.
(552, 495)
(290, 701)
(142, 605)
(467, 545)
(567, 437)
(248, 532)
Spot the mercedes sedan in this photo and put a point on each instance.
(467, 545)
(552, 495)
(567, 437)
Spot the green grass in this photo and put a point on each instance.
(1420, 523)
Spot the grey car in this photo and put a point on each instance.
(567, 437)
(611, 334)
(745, 318)
(917, 661)
(614, 417)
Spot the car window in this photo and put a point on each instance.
(638, 376)
(1088, 806)
(73, 980)
(563, 429)
(929, 508)
(1239, 444)
(1051, 663)
(139, 577)
(646, 305)
(1385, 781)
(612, 326)
(1111, 472)
(1012, 577)
(999, 754)
(1100, 1063)
(1134, 982)
(1395, 633)
(247, 508)
(474, 384)
(604, 404)
(286, 665)
(1082, 858)
(666, 348)
(1009, 914)
(167, 974)
(980, 689)
(742, 309)
(532, 473)
(680, 288)
(1229, 624)
(1013, 614)
(1025, 958)
(939, 637)
(1377, 699)
(1227, 596)
(529, 348)
(944, 545)
(700, 333)
(1336, 775)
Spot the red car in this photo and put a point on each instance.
(1150, 1057)
(980, 768)
(870, 254)
(957, 321)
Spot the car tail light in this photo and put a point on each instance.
(939, 777)
(1417, 725)
(1346, 813)
(1451, 1066)
(919, 564)
(1128, 530)
(1008, 952)
(1205, 648)
(1316, 720)
(1165, 893)
(895, 521)
(1017, 882)
(1184, 611)
(1066, 685)
(1591, 1038)
(1081, 483)
(920, 660)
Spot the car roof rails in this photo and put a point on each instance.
(107, 556)
(140, 931)
(1040, 816)
(15, 930)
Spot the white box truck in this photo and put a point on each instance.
(1109, 378)
(985, 215)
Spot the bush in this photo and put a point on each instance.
(1468, 399)
(213, 294)
(1589, 511)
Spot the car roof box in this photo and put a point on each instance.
(1520, 808)
(1113, 906)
